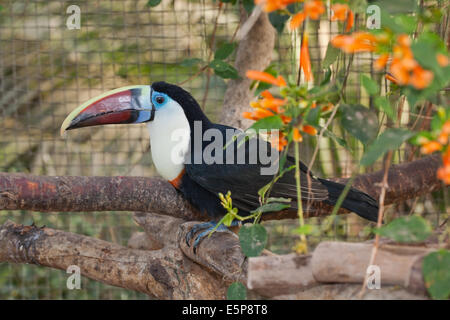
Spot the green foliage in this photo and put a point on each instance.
(435, 268)
(270, 123)
(191, 62)
(224, 69)
(370, 85)
(248, 5)
(224, 51)
(406, 229)
(390, 139)
(359, 121)
(236, 291)
(253, 239)
(383, 104)
(272, 207)
(278, 21)
(330, 56)
(153, 3)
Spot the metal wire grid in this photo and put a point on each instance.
(47, 70)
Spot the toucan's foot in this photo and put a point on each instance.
(206, 228)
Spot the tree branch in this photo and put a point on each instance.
(164, 274)
(65, 194)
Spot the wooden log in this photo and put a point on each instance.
(341, 262)
(280, 274)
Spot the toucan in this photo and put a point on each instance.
(176, 123)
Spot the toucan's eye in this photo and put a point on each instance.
(160, 99)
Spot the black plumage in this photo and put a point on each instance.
(202, 182)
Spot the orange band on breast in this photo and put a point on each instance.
(177, 181)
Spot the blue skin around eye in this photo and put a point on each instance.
(159, 94)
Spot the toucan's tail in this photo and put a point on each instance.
(357, 201)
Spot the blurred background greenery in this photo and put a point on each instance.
(46, 70)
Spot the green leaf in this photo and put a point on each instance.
(370, 85)
(278, 21)
(330, 56)
(313, 116)
(330, 134)
(436, 272)
(425, 49)
(406, 229)
(272, 122)
(223, 69)
(272, 207)
(224, 51)
(271, 199)
(190, 62)
(227, 219)
(237, 291)
(253, 239)
(384, 105)
(248, 5)
(153, 3)
(359, 121)
(389, 140)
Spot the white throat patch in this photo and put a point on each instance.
(169, 139)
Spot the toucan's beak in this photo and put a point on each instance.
(130, 104)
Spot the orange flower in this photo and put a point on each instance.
(442, 59)
(390, 77)
(443, 138)
(305, 62)
(431, 147)
(356, 42)
(266, 107)
(278, 141)
(285, 119)
(399, 72)
(381, 62)
(314, 9)
(297, 20)
(266, 77)
(309, 130)
(350, 21)
(272, 5)
(446, 127)
(248, 115)
(339, 11)
(297, 136)
(342, 12)
(445, 132)
(443, 172)
(327, 107)
(421, 78)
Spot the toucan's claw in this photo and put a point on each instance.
(206, 228)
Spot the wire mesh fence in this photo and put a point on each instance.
(47, 69)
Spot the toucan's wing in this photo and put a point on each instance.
(245, 180)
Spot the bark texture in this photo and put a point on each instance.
(65, 194)
(254, 53)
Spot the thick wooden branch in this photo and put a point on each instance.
(221, 252)
(164, 274)
(65, 194)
